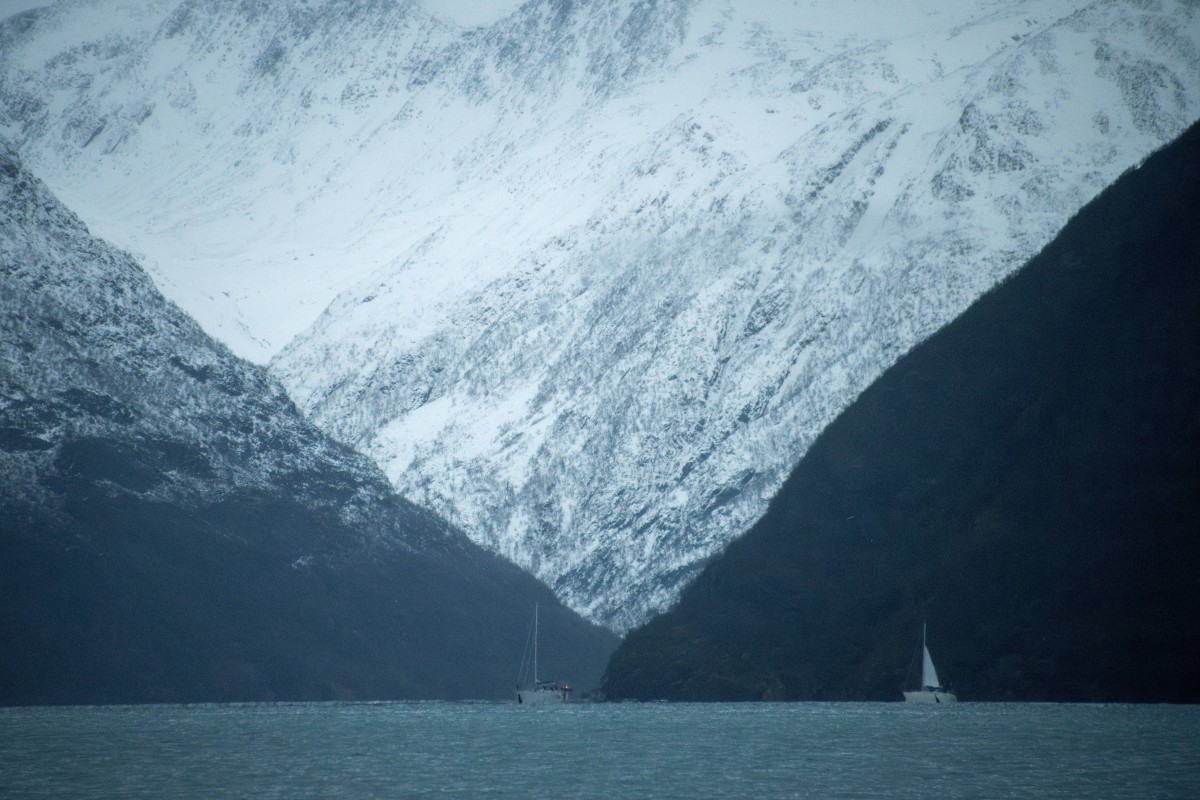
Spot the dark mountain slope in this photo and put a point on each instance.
(172, 529)
(1027, 480)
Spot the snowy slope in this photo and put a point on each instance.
(589, 278)
(93, 358)
(173, 528)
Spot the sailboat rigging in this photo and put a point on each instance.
(529, 688)
(930, 690)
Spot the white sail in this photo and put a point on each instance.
(928, 673)
(931, 690)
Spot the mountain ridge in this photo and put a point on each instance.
(172, 529)
(1022, 481)
(588, 280)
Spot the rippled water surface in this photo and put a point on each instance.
(628, 750)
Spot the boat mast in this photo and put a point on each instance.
(535, 615)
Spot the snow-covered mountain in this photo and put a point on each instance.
(590, 277)
(172, 528)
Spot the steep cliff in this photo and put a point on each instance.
(1024, 481)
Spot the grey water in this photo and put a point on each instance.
(502, 750)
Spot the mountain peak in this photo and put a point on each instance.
(590, 278)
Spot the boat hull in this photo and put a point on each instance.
(541, 696)
(930, 698)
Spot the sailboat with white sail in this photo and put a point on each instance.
(931, 690)
(530, 690)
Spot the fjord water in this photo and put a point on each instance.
(876, 750)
